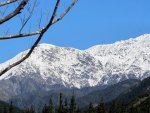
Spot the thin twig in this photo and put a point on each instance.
(29, 17)
(35, 44)
(14, 13)
(7, 2)
(42, 32)
(39, 30)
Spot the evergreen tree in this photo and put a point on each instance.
(11, 107)
(118, 108)
(60, 110)
(113, 107)
(131, 109)
(45, 109)
(5, 110)
(78, 110)
(123, 109)
(148, 105)
(101, 107)
(91, 108)
(27, 111)
(50, 106)
(66, 106)
(32, 110)
(73, 105)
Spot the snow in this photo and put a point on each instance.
(81, 68)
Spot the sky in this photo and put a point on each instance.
(89, 23)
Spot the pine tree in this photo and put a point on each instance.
(60, 110)
(66, 106)
(123, 110)
(32, 110)
(50, 106)
(5, 110)
(44, 110)
(78, 110)
(101, 107)
(11, 107)
(91, 108)
(73, 105)
(132, 110)
(113, 107)
(148, 105)
(27, 111)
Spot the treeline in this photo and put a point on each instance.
(8, 108)
(65, 106)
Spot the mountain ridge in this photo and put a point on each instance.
(97, 65)
(51, 68)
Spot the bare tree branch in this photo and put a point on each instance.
(14, 13)
(21, 35)
(35, 44)
(2, 13)
(41, 32)
(29, 17)
(65, 12)
(7, 2)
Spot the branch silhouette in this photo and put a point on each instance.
(41, 32)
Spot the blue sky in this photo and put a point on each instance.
(89, 23)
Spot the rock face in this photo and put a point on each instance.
(129, 58)
(51, 67)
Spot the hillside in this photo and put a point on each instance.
(51, 69)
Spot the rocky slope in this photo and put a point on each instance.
(51, 67)
(130, 57)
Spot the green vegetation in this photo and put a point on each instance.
(134, 100)
(140, 105)
(8, 108)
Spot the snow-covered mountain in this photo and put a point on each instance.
(51, 67)
(130, 57)
(57, 65)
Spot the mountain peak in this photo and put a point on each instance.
(100, 65)
(144, 37)
(139, 39)
(45, 45)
